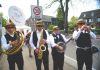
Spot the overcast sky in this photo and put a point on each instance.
(24, 5)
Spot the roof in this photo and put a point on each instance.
(91, 13)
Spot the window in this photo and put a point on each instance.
(90, 20)
(98, 19)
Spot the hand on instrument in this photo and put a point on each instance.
(82, 28)
(13, 43)
(60, 48)
(36, 51)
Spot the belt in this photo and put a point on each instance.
(85, 48)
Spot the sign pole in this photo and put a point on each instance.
(37, 2)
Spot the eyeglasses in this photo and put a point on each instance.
(9, 27)
(39, 25)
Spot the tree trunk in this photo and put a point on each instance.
(66, 17)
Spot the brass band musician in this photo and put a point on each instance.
(83, 36)
(57, 50)
(8, 41)
(39, 40)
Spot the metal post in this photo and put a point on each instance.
(0, 5)
(37, 2)
(66, 17)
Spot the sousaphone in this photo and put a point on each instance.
(16, 17)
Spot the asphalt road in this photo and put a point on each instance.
(71, 52)
(29, 63)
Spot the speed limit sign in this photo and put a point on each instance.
(36, 12)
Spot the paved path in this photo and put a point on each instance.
(29, 63)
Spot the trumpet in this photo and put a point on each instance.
(42, 47)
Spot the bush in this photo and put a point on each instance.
(97, 31)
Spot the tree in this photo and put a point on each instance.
(64, 7)
(60, 18)
(3, 19)
(72, 23)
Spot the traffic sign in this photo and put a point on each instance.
(36, 12)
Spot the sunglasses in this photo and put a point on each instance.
(39, 25)
(9, 27)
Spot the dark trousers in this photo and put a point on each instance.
(84, 56)
(58, 60)
(44, 59)
(16, 58)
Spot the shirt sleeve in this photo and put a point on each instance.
(48, 39)
(52, 43)
(93, 36)
(31, 41)
(76, 34)
(4, 43)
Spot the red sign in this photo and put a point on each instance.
(36, 10)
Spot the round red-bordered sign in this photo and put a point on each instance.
(36, 11)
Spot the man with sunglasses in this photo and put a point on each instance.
(35, 41)
(83, 36)
(8, 40)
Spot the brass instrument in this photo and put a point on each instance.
(16, 17)
(17, 46)
(42, 47)
(62, 45)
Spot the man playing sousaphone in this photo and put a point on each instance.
(39, 40)
(57, 50)
(8, 42)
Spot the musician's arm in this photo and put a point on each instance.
(76, 34)
(47, 41)
(4, 43)
(31, 41)
(52, 43)
(93, 36)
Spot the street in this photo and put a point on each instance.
(29, 63)
(70, 58)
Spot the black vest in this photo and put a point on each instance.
(9, 38)
(84, 40)
(56, 40)
(35, 38)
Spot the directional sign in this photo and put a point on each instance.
(36, 12)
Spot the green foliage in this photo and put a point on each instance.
(59, 14)
(50, 26)
(4, 22)
(72, 23)
(60, 18)
(3, 19)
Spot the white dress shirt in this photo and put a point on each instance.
(76, 34)
(38, 35)
(52, 42)
(4, 42)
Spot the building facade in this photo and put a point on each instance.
(91, 17)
